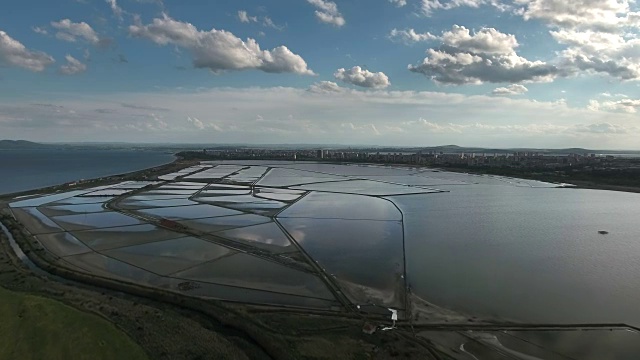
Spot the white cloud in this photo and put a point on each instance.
(266, 21)
(513, 89)
(610, 95)
(601, 36)
(624, 105)
(364, 78)
(39, 30)
(398, 3)
(486, 40)
(544, 129)
(616, 55)
(13, 53)
(295, 115)
(73, 66)
(607, 128)
(328, 12)
(245, 18)
(70, 31)
(367, 128)
(117, 10)
(220, 50)
(196, 122)
(601, 15)
(428, 7)
(484, 56)
(326, 87)
(411, 36)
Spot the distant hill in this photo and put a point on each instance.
(22, 144)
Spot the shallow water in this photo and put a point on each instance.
(365, 187)
(527, 254)
(35, 221)
(209, 225)
(189, 212)
(71, 209)
(342, 206)
(248, 271)
(169, 256)
(63, 244)
(115, 237)
(268, 234)
(94, 220)
(359, 253)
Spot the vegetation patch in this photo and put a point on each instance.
(41, 328)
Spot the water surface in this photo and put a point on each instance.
(29, 169)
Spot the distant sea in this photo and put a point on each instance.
(28, 169)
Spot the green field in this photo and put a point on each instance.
(33, 327)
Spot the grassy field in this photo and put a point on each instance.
(33, 327)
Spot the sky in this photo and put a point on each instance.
(490, 73)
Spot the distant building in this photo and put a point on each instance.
(320, 154)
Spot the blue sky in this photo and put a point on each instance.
(506, 73)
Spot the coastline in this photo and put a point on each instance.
(576, 184)
(141, 174)
(140, 164)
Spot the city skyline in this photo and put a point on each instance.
(488, 73)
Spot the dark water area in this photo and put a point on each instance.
(29, 169)
(526, 254)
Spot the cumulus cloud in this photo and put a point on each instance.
(486, 40)
(71, 32)
(326, 87)
(13, 53)
(601, 37)
(484, 56)
(328, 12)
(624, 105)
(362, 77)
(616, 55)
(220, 50)
(73, 66)
(245, 18)
(602, 15)
(398, 3)
(514, 89)
(411, 36)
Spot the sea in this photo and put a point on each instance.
(28, 169)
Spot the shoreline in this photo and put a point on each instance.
(140, 174)
(577, 184)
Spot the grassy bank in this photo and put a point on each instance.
(34, 327)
